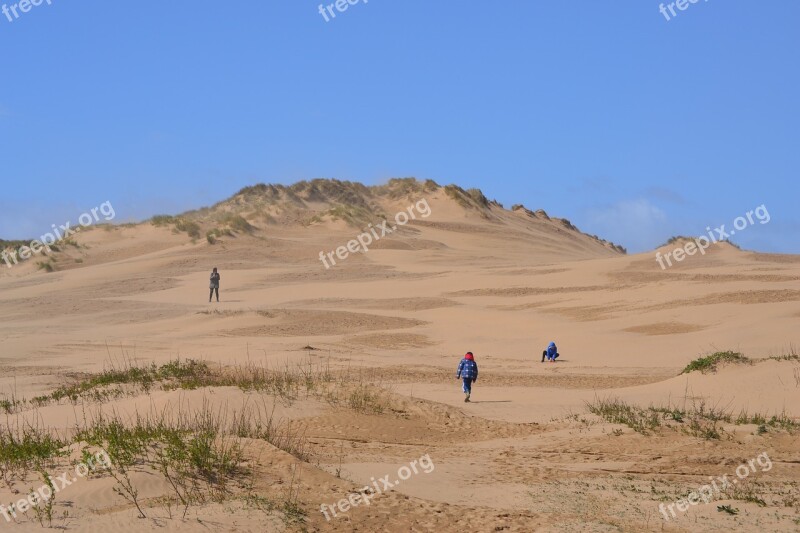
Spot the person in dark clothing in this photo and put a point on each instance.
(214, 284)
(468, 373)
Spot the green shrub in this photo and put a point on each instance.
(162, 220)
(27, 449)
(191, 228)
(710, 362)
(616, 411)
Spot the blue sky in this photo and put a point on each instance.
(634, 127)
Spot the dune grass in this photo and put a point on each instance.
(695, 418)
(96, 386)
(616, 411)
(180, 224)
(234, 222)
(189, 449)
(288, 383)
(710, 363)
(201, 452)
(26, 448)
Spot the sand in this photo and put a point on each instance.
(525, 455)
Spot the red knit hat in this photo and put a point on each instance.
(469, 356)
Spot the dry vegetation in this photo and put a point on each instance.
(200, 452)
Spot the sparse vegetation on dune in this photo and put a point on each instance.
(197, 440)
(344, 388)
(695, 418)
(26, 448)
(541, 214)
(787, 354)
(675, 239)
(409, 188)
(353, 215)
(191, 228)
(206, 453)
(233, 222)
(710, 363)
(307, 203)
(468, 199)
(162, 220)
(180, 224)
(97, 386)
(618, 412)
(331, 191)
(13, 244)
(200, 452)
(193, 223)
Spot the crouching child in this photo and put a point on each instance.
(551, 353)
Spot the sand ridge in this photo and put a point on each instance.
(525, 455)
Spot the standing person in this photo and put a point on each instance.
(214, 284)
(468, 373)
(551, 353)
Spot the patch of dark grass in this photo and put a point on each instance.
(162, 220)
(13, 244)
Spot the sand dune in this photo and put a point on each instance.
(379, 336)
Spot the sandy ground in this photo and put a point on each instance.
(525, 455)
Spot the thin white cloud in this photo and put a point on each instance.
(636, 224)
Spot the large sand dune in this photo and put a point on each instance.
(525, 455)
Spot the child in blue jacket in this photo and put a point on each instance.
(468, 373)
(551, 353)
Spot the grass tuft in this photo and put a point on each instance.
(710, 362)
(616, 411)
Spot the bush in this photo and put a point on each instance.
(47, 266)
(478, 197)
(162, 220)
(676, 239)
(237, 223)
(191, 228)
